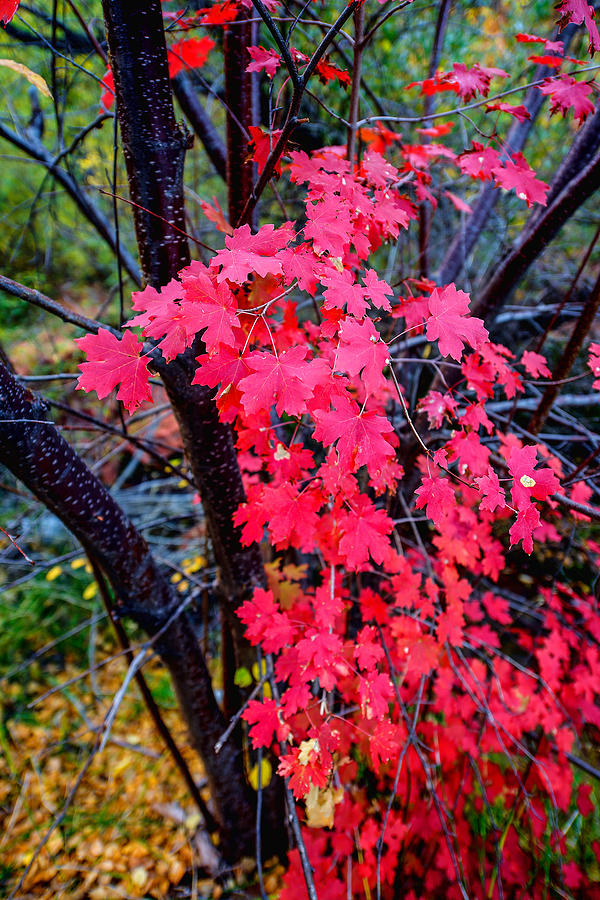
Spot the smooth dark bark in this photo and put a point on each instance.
(154, 149)
(154, 144)
(33, 450)
(242, 105)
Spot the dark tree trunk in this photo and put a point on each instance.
(241, 102)
(154, 148)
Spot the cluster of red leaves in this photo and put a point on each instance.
(390, 659)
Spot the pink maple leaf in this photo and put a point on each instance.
(475, 80)
(580, 12)
(359, 435)
(437, 406)
(535, 364)
(528, 519)
(361, 349)
(450, 324)
(567, 93)
(286, 380)
(246, 252)
(112, 361)
(594, 363)
(527, 480)
(377, 290)
(438, 496)
(516, 173)
(493, 495)
(341, 290)
(263, 60)
(364, 530)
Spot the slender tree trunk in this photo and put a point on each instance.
(154, 149)
(241, 96)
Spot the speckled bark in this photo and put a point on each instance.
(154, 149)
(241, 102)
(33, 450)
(154, 144)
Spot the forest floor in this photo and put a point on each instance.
(129, 829)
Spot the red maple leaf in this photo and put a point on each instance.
(292, 516)
(219, 14)
(286, 380)
(594, 363)
(261, 145)
(520, 113)
(567, 93)
(516, 173)
(7, 10)
(246, 252)
(359, 435)
(328, 71)
(189, 53)
(107, 97)
(580, 12)
(365, 531)
(112, 361)
(216, 215)
(450, 324)
(385, 743)
(263, 60)
(265, 623)
(208, 308)
(264, 721)
(367, 649)
(361, 349)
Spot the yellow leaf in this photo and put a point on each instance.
(192, 821)
(53, 573)
(266, 773)
(32, 77)
(242, 677)
(78, 563)
(90, 591)
(320, 806)
(139, 876)
(263, 670)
